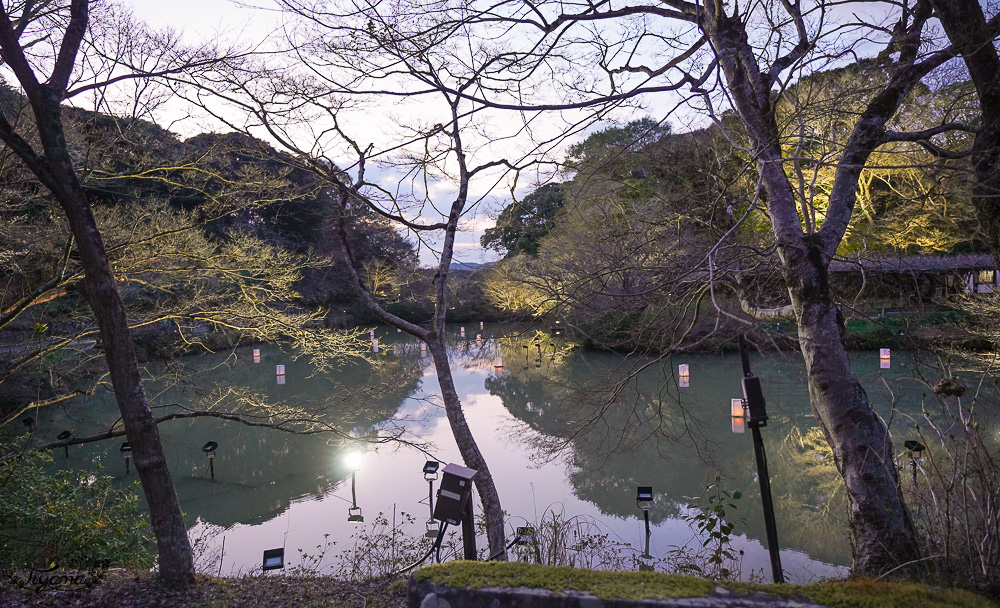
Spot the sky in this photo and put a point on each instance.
(213, 19)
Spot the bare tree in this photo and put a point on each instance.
(556, 65)
(975, 39)
(40, 44)
(528, 57)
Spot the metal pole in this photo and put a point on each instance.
(765, 499)
(469, 532)
(354, 496)
(430, 496)
(762, 475)
(211, 466)
(645, 516)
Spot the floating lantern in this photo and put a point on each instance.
(884, 358)
(280, 371)
(498, 363)
(375, 345)
(423, 348)
(256, 355)
(480, 325)
(737, 413)
(684, 371)
(461, 332)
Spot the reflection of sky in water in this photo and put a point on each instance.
(277, 490)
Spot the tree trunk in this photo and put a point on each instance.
(468, 448)
(968, 30)
(173, 548)
(56, 172)
(882, 534)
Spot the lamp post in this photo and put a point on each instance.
(644, 500)
(209, 449)
(430, 474)
(125, 451)
(353, 461)
(526, 535)
(756, 417)
(915, 450)
(63, 436)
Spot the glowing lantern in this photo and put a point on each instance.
(737, 413)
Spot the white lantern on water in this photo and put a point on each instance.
(737, 413)
(884, 358)
(256, 355)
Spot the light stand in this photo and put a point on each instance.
(753, 399)
(915, 449)
(125, 451)
(353, 461)
(644, 500)
(209, 449)
(63, 436)
(430, 474)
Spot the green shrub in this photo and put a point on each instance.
(70, 519)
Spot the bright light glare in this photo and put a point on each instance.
(353, 460)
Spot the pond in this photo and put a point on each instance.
(560, 433)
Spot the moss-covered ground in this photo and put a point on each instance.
(655, 585)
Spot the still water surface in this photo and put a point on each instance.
(276, 489)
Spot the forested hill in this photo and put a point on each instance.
(649, 229)
(213, 240)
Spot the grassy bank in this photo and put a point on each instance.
(140, 589)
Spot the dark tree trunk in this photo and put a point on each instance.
(464, 439)
(973, 36)
(882, 534)
(173, 548)
(468, 448)
(54, 169)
